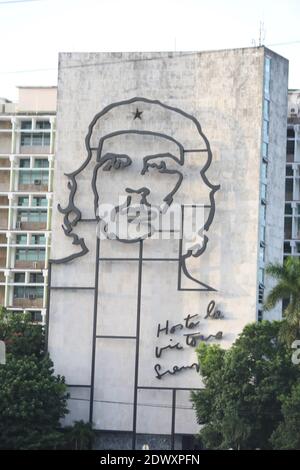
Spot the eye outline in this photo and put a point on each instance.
(162, 165)
(114, 161)
(162, 168)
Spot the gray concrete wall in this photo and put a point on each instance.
(276, 170)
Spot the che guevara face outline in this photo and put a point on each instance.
(165, 163)
(72, 211)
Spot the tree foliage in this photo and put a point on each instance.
(32, 401)
(21, 336)
(32, 398)
(287, 434)
(240, 405)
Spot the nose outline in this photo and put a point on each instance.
(143, 191)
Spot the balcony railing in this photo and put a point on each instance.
(27, 264)
(25, 302)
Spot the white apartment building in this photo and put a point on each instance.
(27, 135)
(292, 182)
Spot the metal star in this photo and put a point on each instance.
(137, 114)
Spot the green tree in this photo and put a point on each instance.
(21, 336)
(32, 401)
(80, 436)
(287, 435)
(32, 398)
(240, 405)
(287, 287)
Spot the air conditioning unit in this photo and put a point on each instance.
(19, 225)
(37, 182)
(293, 110)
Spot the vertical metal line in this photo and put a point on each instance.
(94, 332)
(180, 250)
(48, 306)
(173, 418)
(137, 347)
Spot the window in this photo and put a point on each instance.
(266, 109)
(26, 124)
(30, 254)
(39, 201)
(41, 163)
(264, 170)
(36, 316)
(38, 239)
(24, 292)
(262, 234)
(289, 170)
(23, 201)
(42, 125)
(32, 216)
(287, 247)
(19, 277)
(289, 190)
(291, 133)
(288, 209)
(261, 276)
(265, 131)
(36, 177)
(262, 254)
(19, 292)
(267, 76)
(259, 315)
(36, 278)
(290, 147)
(21, 239)
(24, 163)
(25, 140)
(263, 191)
(265, 150)
(288, 228)
(35, 139)
(261, 293)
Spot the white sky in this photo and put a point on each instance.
(32, 33)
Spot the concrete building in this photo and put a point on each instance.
(292, 181)
(27, 136)
(202, 131)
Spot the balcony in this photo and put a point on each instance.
(2, 257)
(25, 302)
(28, 264)
(4, 180)
(33, 180)
(35, 141)
(31, 225)
(32, 219)
(2, 295)
(4, 163)
(4, 201)
(3, 219)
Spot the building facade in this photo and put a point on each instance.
(202, 132)
(27, 139)
(292, 180)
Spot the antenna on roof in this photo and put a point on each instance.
(262, 33)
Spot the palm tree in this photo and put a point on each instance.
(287, 287)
